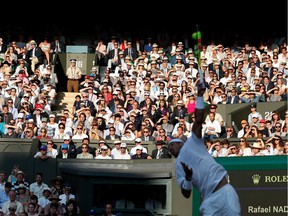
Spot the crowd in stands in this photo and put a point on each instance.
(58, 196)
(18, 197)
(147, 93)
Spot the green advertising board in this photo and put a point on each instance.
(261, 183)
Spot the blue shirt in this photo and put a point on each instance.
(4, 197)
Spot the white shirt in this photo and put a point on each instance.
(122, 156)
(103, 157)
(38, 189)
(63, 198)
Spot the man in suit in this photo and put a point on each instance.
(39, 115)
(64, 153)
(112, 130)
(130, 51)
(34, 57)
(146, 135)
(15, 99)
(217, 69)
(233, 98)
(113, 57)
(161, 150)
(57, 46)
(139, 46)
(71, 146)
(88, 103)
(6, 115)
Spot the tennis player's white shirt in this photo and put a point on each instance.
(207, 173)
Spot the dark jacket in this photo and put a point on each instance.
(164, 153)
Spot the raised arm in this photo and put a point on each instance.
(199, 112)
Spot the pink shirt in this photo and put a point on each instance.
(191, 107)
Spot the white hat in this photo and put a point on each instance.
(123, 145)
(138, 140)
(139, 147)
(117, 142)
(51, 116)
(66, 137)
(104, 147)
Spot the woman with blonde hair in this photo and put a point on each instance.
(244, 148)
(12, 177)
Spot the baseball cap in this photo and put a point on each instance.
(43, 147)
(64, 146)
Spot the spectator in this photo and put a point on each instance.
(104, 154)
(212, 127)
(44, 200)
(161, 150)
(85, 153)
(67, 194)
(108, 210)
(43, 154)
(256, 149)
(263, 130)
(233, 151)
(71, 208)
(54, 207)
(140, 154)
(38, 186)
(12, 204)
(244, 149)
(57, 186)
(116, 149)
(64, 152)
(22, 195)
(123, 152)
(229, 133)
(138, 142)
(12, 177)
(70, 143)
(253, 108)
(166, 125)
(90, 149)
(4, 194)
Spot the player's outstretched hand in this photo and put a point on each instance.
(187, 171)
